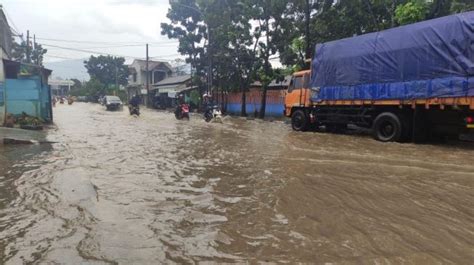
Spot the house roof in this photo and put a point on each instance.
(173, 80)
(284, 83)
(14, 65)
(151, 64)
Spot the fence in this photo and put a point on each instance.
(274, 104)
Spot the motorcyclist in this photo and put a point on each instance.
(135, 101)
(208, 106)
(207, 103)
(180, 101)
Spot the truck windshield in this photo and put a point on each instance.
(298, 82)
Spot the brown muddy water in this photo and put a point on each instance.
(149, 190)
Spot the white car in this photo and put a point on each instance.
(113, 103)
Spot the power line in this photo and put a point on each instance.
(165, 56)
(60, 57)
(106, 42)
(99, 47)
(88, 51)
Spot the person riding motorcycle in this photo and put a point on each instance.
(182, 108)
(209, 107)
(134, 104)
(180, 101)
(135, 101)
(207, 104)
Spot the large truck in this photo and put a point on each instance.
(408, 83)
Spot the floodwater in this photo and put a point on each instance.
(121, 190)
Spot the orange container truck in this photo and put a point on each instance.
(406, 84)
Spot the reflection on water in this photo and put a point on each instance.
(122, 190)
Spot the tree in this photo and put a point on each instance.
(37, 53)
(411, 12)
(458, 6)
(216, 37)
(188, 27)
(267, 14)
(233, 46)
(107, 69)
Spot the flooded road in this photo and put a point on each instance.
(121, 190)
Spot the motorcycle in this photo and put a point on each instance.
(182, 112)
(213, 114)
(134, 110)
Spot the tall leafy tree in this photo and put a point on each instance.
(107, 69)
(188, 26)
(267, 14)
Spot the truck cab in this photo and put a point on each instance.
(298, 95)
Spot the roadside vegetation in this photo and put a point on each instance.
(230, 44)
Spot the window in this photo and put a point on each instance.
(299, 82)
(135, 77)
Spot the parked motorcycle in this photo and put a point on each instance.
(213, 114)
(182, 112)
(134, 110)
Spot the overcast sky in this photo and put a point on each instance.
(103, 23)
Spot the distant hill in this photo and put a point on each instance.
(68, 69)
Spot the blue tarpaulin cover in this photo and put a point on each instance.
(434, 58)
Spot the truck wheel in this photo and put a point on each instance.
(299, 121)
(387, 128)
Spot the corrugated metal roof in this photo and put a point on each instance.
(151, 64)
(173, 80)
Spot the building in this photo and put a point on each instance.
(23, 87)
(157, 71)
(27, 90)
(5, 50)
(60, 87)
(165, 92)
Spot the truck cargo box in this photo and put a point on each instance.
(430, 59)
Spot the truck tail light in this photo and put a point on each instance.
(469, 120)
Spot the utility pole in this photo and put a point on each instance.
(147, 79)
(28, 46)
(116, 79)
(209, 50)
(34, 48)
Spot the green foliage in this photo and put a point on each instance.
(194, 97)
(411, 12)
(107, 69)
(37, 53)
(92, 88)
(188, 27)
(77, 83)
